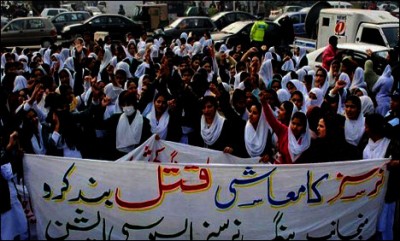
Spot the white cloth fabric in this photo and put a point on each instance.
(376, 149)
(13, 222)
(256, 139)
(125, 67)
(367, 106)
(318, 101)
(354, 129)
(346, 78)
(37, 142)
(211, 134)
(129, 135)
(141, 69)
(283, 95)
(266, 72)
(358, 79)
(159, 127)
(297, 147)
(383, 88)
(20, 83)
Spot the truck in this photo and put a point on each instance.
(353, 26)
(112, 7)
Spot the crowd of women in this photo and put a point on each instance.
(101, 100)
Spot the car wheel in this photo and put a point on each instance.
(46, 43)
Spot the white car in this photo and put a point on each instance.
(50, 12)
(357, 51)
(94, 11)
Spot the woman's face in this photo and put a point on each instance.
(254, 116)
(297, 100)
(64, 78)
(132, 87)
(291, 87)
(207, 67)
(209, 110)
(281, 113)
(195, 64)
(275, 86)
(297, 127)
(352, 112)
(160, 104)
(321, 129)
(319, 79)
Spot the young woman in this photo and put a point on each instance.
(294, 139)
(258, 134)
(163, 120)
(354, 125)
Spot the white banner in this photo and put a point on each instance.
(89, 199)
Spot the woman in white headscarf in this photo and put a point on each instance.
(24, 60)
(321, 80)
(105, 58)
(20, 83)
(345, 77)
(315, 98)
(283, 95)
(162, 122)
(382, 89)
(354, 125)
(266, 72)
(258, 134)
(358, 79)
(367, 106)
(215, 130)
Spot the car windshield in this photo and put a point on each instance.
(233, 28)
(392, 35)
(381, 54)
(216, 16)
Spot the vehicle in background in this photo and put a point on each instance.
(387, 7)
(29, 31)
(50, 12)
(112, 7)
(358, 52)
(114, 24)
(68, 6)
(395, 12)
(352, 26)
(278, 12)
(94, 11)
(223, 19)
(239, 32)
(198, 25)
(63, 19)
(4, 21)
(195, 11)
(298, 20)
(151, 16)
(340, 4)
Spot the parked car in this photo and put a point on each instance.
(195, 11)
(274, 14)
(28, 31)
(358, 52)
(4, 20)
(116, 26)
(340, 4)
(239, 32)
(50, 12)
(223, 19)
(387, 7)
(197, 24)
(94, 11)
(63, 19)
(298, 19)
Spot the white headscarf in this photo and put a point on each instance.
(129, 135)
(20, 83)
(141, 69)
(105, 62)
(301, 73)
(376, 149)
(288, 65)
(71, 78)
(197, 48)
(345, 77)
(68, 64)
(125, 67)
(210, 135)
(283, 95)
(367, 106)
(256, 139)
(266, 72)
(358, 79)
(158, 127)
(318, 101)
(46, 56)
(354, 129)
(297, 147)
(112, 92)
(60, 60)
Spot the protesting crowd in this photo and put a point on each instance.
(102, 99)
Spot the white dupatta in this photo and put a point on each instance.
(376, 149)
(256, 139)
(297, 147)
(211, 134)
(159, 127)
(129, 135)
(354, 129)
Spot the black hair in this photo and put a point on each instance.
(355, 99)
(210, 99)
(376, 124)
(302, 117)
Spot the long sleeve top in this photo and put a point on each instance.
(281, 132)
